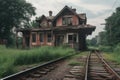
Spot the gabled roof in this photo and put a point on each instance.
(50, 18)
(41, 18)
(81, 16)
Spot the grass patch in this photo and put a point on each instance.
(11, 58)
(114, 57)
(75, 63)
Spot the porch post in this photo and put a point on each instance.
(23, 42)
(30, 43)
(17, 39)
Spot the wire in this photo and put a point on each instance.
(115, 2)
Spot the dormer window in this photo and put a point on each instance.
(67, 20)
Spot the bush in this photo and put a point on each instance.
(117, 48)
(106, 48)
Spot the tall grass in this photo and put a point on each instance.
(114, 54)
(10, 58)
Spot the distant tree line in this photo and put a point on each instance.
(111, 35)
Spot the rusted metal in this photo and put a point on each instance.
(86, 67)
(98, 69)
(109, 68)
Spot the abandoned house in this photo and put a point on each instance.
(66, 28)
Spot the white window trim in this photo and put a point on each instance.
(71, 34)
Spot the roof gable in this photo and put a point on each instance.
(62, 12)
(42, 18)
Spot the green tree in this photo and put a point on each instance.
(93, 41)
(102, 38)
(113, 28)
(34, 23)
(14, 13)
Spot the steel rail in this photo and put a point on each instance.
(108, 67)
(10, 77)
(87, 66)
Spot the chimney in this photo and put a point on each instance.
(74, 10)
(50, 13)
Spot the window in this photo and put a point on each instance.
(49, 37)
(33, 37)
(41, 37)
(72, 38)
(67, 20)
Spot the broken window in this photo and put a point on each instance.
(41, 37)
(33, 37)
(67, 20)
(49, 37)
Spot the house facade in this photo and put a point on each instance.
(66, 28)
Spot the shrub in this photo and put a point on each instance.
(106, 48)
(117, 48)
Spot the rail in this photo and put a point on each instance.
(10, 77)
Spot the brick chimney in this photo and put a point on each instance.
(50, 13)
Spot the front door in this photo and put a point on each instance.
(59, 40)
(27, 41)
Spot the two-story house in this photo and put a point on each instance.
(66, 28)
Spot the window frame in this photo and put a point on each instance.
(73, 38)
(49, 39)
(41, 41)
(34, 36)
(67, 20)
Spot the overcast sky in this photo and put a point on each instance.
(96, 10)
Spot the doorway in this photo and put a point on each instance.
(59, 40)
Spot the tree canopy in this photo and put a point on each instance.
(113, 28)
(14, 13)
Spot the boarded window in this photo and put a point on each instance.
(67, 21)
(41, 37)
(49, 37)
(33, 37)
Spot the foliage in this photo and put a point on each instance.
(75, 63)
(117, 48)
(10, 58)
(102, 38)
(106, 48)
(92, 42)
(13, 13)
(34, 23)
(113, 28)
(113, 53)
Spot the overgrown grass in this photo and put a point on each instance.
(10, 58)
(75, 63)
(113, 54)
(115, 57)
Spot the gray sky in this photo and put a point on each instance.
(96, 10)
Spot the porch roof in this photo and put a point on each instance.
(88, 28)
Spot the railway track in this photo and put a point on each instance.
(93, 67)
(98, 69)
(37, 72)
